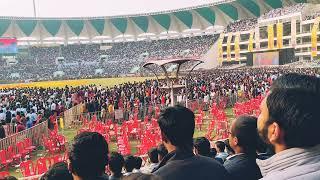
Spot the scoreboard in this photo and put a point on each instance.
(8, 46)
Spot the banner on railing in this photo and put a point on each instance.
(314, 39)
(118, 114)
(279, 35)
(250, 45)
(237, 46)
(257, 37)
(229, 46)
(293, 33)
(220, 49)
(270, 37)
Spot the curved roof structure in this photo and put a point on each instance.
(204, 18)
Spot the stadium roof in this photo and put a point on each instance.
(197, 19)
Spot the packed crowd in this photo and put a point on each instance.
(284, 11)
(81, 61)
(26, 107)
(279, 144)
(242, 25)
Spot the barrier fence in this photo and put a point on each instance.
(35, 133)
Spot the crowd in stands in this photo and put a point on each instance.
(81, 60)
(250, 23)
(283, 11)
(242, 25)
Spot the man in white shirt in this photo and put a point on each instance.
(153, 159)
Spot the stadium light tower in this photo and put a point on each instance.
(172, 83)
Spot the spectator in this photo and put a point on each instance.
(289, 117)
(138, 165)
(88, 156)
(129, 164)
(153, 160)
(177, 127)
(243, 140)
(162, 151)
(2, 132)
(141, 176)
(116, 162)
(57, 171)
(220, 147)
(213, 154)
(201, 146)
(20, 127)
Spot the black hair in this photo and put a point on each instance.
(116, 162)
(245, 129)
(177, 126)
(296, 112)
(220, 145)
(138, 162)
(153, 155)
(162, 151)
(297, 81)
(88, 155)
(10, 178)
(202, 145)
(213, 152)
(129, 163)
(57, 171)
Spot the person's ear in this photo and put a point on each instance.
(235, 141)
(274, 133)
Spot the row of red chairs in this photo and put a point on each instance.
(15, 154)
(29, 168)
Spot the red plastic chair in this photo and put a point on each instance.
(12, 154)
(5, 161)
(27, 168)
(42, 165)
(4, 174)
(28, 145)
(21, 149)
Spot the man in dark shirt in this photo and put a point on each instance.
(243, 140)
(177, 127)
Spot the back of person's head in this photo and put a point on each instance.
(162, 151)
(297, 81)
(177, 126)
(116, 162)
(213, 152)
(153, 155)
(57, 171)
(10, 178)
(220, 146)
(141, 176)
(296, 113)
(129, 163)
(138, 162)
(244, 134)
(202, 146)
(88, 155)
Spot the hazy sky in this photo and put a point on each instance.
(78, 8)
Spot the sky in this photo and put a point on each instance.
(90, 8)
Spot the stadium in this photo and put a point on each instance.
(123, 90)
